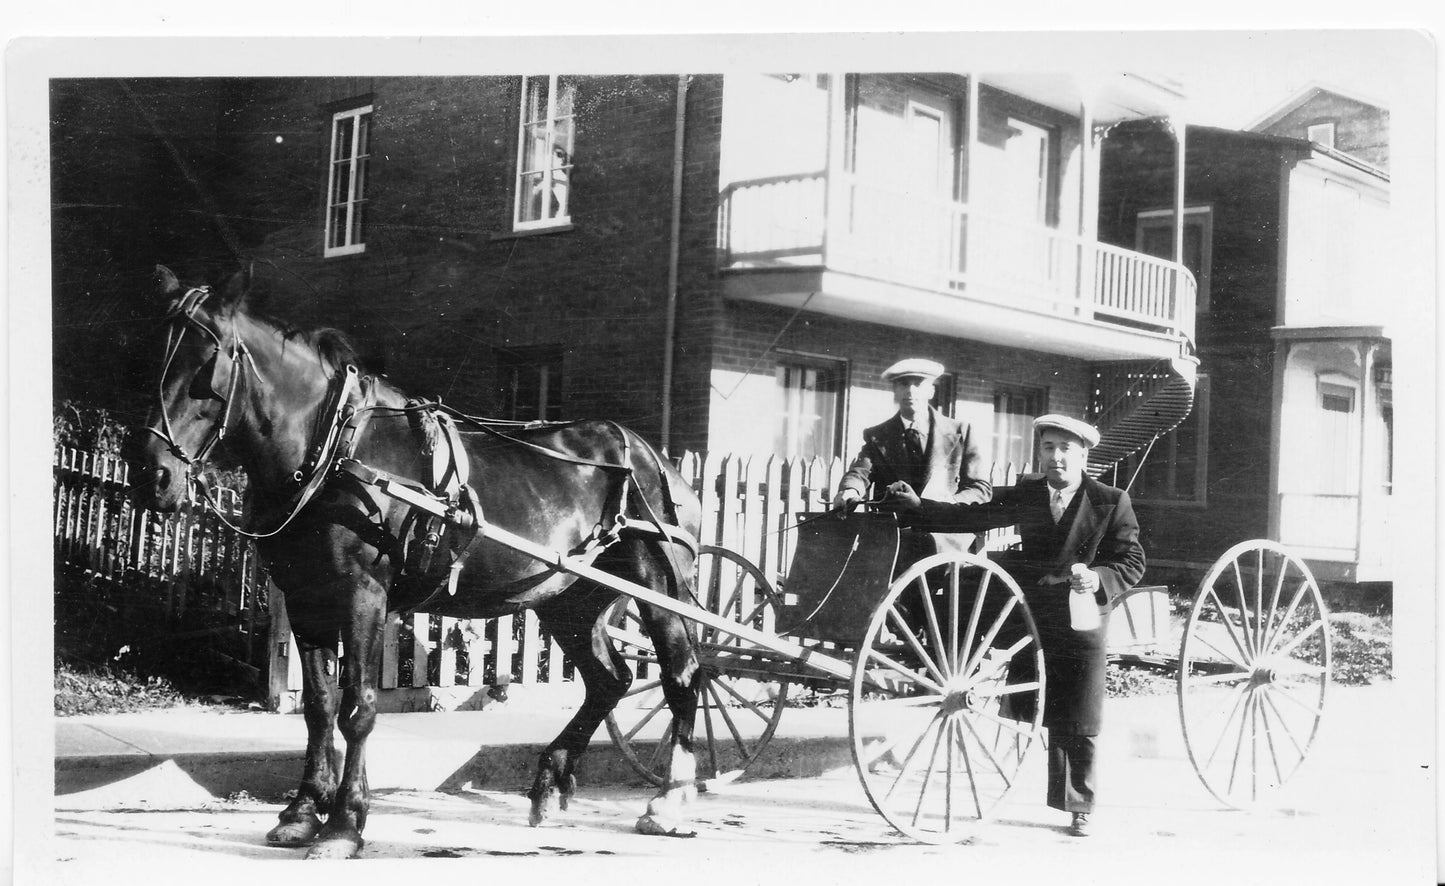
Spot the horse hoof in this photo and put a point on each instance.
(294, 833)
(335, 848)
(546, 806)
(653, 826)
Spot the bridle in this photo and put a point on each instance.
(181, 318)
(184, 310)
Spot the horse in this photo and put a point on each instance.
(364, 501)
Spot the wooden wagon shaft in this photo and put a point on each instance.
(810, 657)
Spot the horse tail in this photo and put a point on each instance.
(678, 524)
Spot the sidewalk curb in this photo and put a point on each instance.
(268, 775)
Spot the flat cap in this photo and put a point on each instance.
(913, 367)
(1084, 431)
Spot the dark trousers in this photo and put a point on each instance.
(1071, 772)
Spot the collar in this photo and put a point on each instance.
(1067, 493)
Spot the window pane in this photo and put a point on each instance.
(810, 400)
(337, 227)
(535, 101)
(363, 135)
(342, 142)
(357, 214)
(340, 183)
(532, 186)
(1014, 411)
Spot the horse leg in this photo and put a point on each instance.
(648, 564)
(300, 820)
(679, 666)
(583, 637)
(340, 837)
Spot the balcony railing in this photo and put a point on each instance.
(921, 240)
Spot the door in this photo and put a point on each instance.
(930, 160)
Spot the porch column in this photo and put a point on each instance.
(834, 214)
(1367, 411)
(1088, 207)
(1177, 127)
(970, 153)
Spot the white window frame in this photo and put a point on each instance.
(999, 439)
(356, 186)
(560, 131)
(789, 435)
(1322, 133)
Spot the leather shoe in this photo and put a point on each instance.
(1080, 826)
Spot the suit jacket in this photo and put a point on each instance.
(951, 456)
(1098, 529)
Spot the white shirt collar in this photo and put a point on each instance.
(1066, 495)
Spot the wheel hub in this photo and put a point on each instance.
(960, 695)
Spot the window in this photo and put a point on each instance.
(531, 383)
(1175, 469)
(810, 420)
(1336, 398)
(1154, 235)
(1321, 133)
(544, 152)
(346, 183)
(1014, 411)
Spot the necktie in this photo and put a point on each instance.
(914, 441)
(1056, 504)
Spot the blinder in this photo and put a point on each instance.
(213, 381)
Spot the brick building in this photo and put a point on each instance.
(722, 263)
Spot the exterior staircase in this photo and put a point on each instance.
(1135, 403)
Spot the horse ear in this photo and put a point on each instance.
(166, 283)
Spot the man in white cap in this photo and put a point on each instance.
(1064, 518)
(919, 446)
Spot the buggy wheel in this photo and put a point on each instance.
(947, 696)
(1254, 665)
(738, 704)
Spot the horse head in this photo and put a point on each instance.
(203, 370)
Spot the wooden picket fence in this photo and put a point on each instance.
(749, 505)
(144, 576)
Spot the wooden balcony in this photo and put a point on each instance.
(865, 251)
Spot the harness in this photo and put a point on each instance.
(443, 501)
(449, 502)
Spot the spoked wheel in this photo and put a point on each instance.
(736, 715)
(947, 696)
(1253, 669)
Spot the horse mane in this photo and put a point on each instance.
(332, 344)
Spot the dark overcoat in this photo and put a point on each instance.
(952, 472)
(1099, 529)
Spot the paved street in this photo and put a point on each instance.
(1349, 816)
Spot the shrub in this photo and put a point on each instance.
(108, 689)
